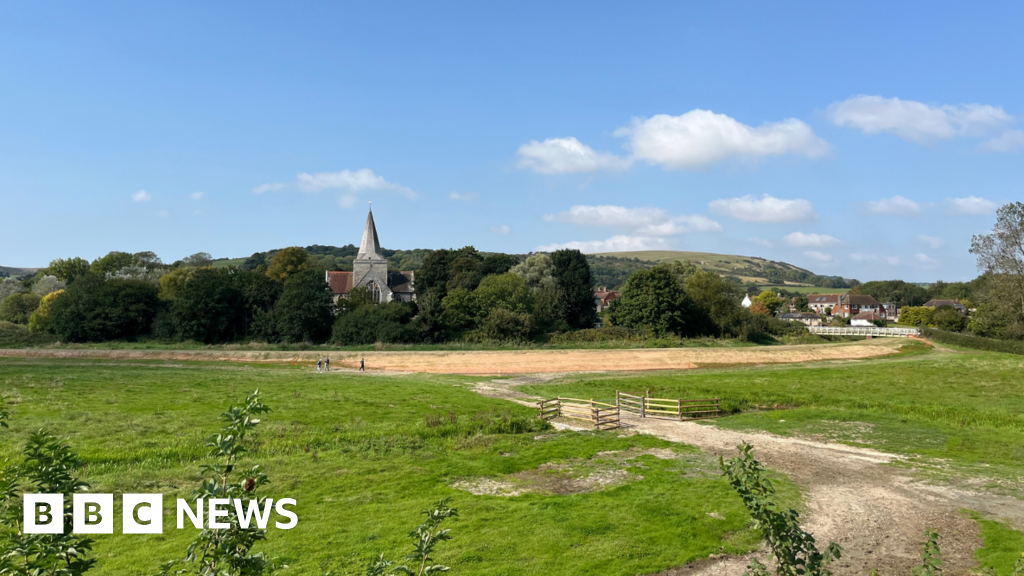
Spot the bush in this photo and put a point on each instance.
(505, 325)
(949, 319)
(917, 315)
(40, 319)
(15, 335)
(606, 334)
(975, 342)
(368, 324)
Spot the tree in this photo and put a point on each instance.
(197, 260)
(504, 325)
(770, 301)
(67, 270)
(172, 283)
(292, 261)
(653, 300)
(40, 320)
(760, 308)
(19, 307)
(508, 291)
(94, 310)
(259, 296)
(917, 315)
(497, 264)
(460, 310)
(10, 286)
(209, 308)
(112, 262)
(372, 322)
(538, 270)
(949, 319)
(305, 310)
(47, 285)
(896, 291)
(718, 297)
(1000, 255)
(572, 274)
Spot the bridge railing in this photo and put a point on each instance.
(864, 331)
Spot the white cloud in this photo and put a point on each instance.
(620, 243)
(809, 240)
(1009, 141)
(819, 256)
(761, 242)
(924, 258)
(699, 138)
(859, 257)
(895, 206)
(767, 209)
(971, 206)
(566, 156)
(502, 230)
(916, 121)
(142, 196)
(276, 187)
(196, 195)
(931, 241)
(637, 221)
(467, 197)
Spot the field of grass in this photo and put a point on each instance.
(721, 263)
(356, 453)
(228, 262)
(805, 289)
(966, 408)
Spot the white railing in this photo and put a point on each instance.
(864, 331)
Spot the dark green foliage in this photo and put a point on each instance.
(949, 319)
(976, 342)
(612, 271)
(304, 312)
(717, 297)
(448, 269)
(794, 549)
(576, 285)
(94, 310)
(18, 308)
(341, 257)
(49, 467)
(228, 551)
(18, 335)
(654, 301)
(901, 293)
(209, 308)
(112, 262)
(259, 295)
(371, 323)
(425, 538)
(505, 325)
(497, 263)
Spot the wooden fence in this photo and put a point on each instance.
(602, 415)
(605, 416)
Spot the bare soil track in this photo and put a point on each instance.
(877, 512)
(485, 362)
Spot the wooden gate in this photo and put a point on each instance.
(629, 403)
(602, 415)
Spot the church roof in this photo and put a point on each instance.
(340, 282)
(369, 248)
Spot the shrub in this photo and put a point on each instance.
(505, 325)
(40, 319)
(606, 334)
(16, 335)
(94, 310)
(917, 315)
(976, 342)
(368, 324)
(949, 319)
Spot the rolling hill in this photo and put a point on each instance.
(8, 271)
(747, 268)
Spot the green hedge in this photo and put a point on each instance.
(976, 342)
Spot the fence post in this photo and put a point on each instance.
(718, 408)
(643, 406)
(680, 409)
(593, 414)
(616, 398)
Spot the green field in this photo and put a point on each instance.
(966, 407)
(356, 453)
(805, 289)
(722, 263)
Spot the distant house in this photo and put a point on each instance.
(866, 318)
(845, 305)
(891, 311)
(954, 303)
(603, 297)
(746, 301)
(808, 318)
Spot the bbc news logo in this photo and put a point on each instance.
(144, 513)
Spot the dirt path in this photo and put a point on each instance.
(508, 361)
(878, 513)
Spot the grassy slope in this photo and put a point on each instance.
(355, 453)
(722, 263)
(967, 408)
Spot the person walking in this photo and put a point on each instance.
(362, 364)
(319, 363)
(327, 364)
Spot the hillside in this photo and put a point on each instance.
(747, 268)
(7, 271)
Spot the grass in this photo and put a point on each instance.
(356, 453)
(965, 408)
(1001, 545)
(804, 289)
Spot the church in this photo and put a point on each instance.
(370, 270)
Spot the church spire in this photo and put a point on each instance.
(369, 248)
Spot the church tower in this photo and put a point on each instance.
(370, 268)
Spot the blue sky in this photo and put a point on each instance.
(869, 141)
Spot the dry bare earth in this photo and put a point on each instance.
(509, 361)
(878, 513)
